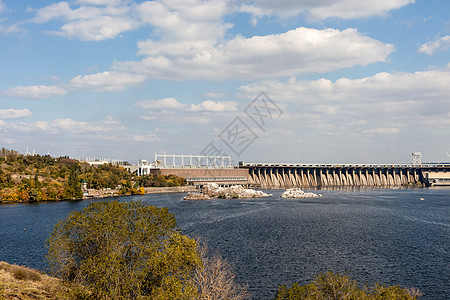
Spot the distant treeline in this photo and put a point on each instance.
(29, 178)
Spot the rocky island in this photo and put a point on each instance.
(213, 190)
(298, 193)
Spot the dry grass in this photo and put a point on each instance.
(18, 282)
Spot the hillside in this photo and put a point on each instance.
(18, 282)
(31, 178)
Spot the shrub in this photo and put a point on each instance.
(21, 273)
(335, 286)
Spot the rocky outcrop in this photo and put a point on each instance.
(298, 193)
(213, 190)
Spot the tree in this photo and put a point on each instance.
(124, 251)
(336, 286)
(73, 190)
(215, 280)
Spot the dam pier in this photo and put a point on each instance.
(334, 175)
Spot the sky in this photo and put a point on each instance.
(299, 81)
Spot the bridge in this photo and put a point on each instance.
(274, 175)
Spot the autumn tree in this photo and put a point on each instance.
(125, 250)
(339, 287)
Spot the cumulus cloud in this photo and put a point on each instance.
(91, 21)
(97, 20)
(389, 130)
(319, 10)
(98, 29)
(210, 105)
(298, 51)
(65, 125)
(172, 103)
(100, 2)
(6, 114)
(191, 35)
(193, 20)
(106, 81)
(385, 103)
(418, 86)
(7, 29)
(145, 138)
(438, 45)
(35, 92)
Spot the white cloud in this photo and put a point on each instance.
(6, 114)
(100, 2)
(422, 86)
(298, 51)
(66, 125)
(106, 81)
(145, 138)
(389, 130)
(98, 29)
(170, 103)
(322, 9)
(210, 105)
(385, 103)
(97, 20)
(437, 45)
(2, 6)
(8, 28)
(35, 92)
(92, 21)
(192, 20)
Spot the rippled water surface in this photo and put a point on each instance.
(383, 235)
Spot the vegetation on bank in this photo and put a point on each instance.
(133, 250)
(336, 286)
(120, 250)
(27, 178)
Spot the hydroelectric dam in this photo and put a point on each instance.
(337, 175)
(201, 169)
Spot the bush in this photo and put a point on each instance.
(124, 251)
(335, 286)
(21, 273)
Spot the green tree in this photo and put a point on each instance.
(341, 287)
(73, 190)
(124, 251)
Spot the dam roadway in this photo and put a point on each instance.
(274, 175)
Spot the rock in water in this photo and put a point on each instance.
(298, 193)
(213, 190)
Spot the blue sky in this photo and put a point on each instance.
(349, 81)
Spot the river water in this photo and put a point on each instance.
(373, 235)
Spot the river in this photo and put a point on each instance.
(374, 235)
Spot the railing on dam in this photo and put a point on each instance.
(324, 175)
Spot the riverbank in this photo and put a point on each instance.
(18, 282)
(108, 193)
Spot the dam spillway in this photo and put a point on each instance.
(320, 175)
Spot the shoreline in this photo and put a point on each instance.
(113, 194)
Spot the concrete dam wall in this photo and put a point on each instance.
(273, 176)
